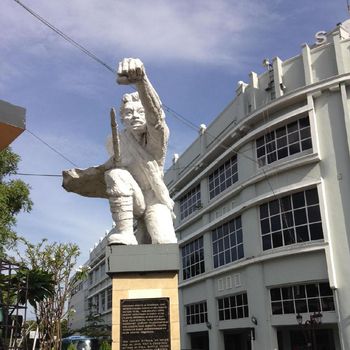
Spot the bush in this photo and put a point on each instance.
(105, 346)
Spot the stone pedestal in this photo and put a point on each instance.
(145, 307)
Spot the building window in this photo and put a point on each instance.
(228, 242)
(103, 301)
(285, 141)
(302, 298)
(190, 202)
(95, 275)
(223, 177)
(233, 307)
(193, 259)
(109, 297)
(96, 303)
(77, 288)
(197, 313)
(103, 270)
(90, 307)
(292, 219)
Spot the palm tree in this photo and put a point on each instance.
(36, 286)
(20, 286)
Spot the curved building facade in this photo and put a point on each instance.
(263, 202)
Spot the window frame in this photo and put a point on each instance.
(274, 143)
(199, 314)
(227, 242)
(192, 256)
(190, 202)
(223, 177)
(301, 302)
(109, 297)
(232, 309)
(284, 221)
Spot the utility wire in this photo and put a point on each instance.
(175, 114)
(49, 146)
(41, 175)
(97, 59)
(66, 37)
(181, 118)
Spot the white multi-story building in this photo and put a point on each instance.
(263, 210)
(262, 203)
(91, 300)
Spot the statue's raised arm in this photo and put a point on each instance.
(132, 71)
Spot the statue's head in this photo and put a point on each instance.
(132, 113)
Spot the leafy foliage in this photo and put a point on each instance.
(30, 285)
(17, 285)
(40, 285)
(66, 332)
(58, 260)
(96, 327)
(8, 163)
(105, 345)
(14, 198)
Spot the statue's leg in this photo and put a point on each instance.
(141, 233)
(160, 224)
(125, 197)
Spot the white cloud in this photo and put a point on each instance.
(199, 31)
(215, 33)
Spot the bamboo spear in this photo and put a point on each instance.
(115, 137)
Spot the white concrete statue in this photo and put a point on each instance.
(132, 179)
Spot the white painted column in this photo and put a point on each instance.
(335, 171)
(265, 334)
(277, 76)
(185, 339)
(307, 64)
(216, 337)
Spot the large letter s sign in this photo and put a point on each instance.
(321, 37)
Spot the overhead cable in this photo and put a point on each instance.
(66, 37)
(175, 114)
(52, 148)
(39, 175)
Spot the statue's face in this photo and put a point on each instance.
(133, 116)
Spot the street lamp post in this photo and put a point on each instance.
(310, 325)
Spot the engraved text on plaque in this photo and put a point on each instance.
(144, 324)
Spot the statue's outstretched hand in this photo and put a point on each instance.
(130, 71)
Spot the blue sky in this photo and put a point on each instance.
(195, 52)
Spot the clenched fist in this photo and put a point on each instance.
(130, 71)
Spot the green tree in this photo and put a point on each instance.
(105, 345)
(66, 332)
(59, 260)
(19, 286)
(40, 285)
(14, 198)
(96, 327)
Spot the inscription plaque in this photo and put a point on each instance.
(144, 324)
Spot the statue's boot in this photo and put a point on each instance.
(122, 213)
